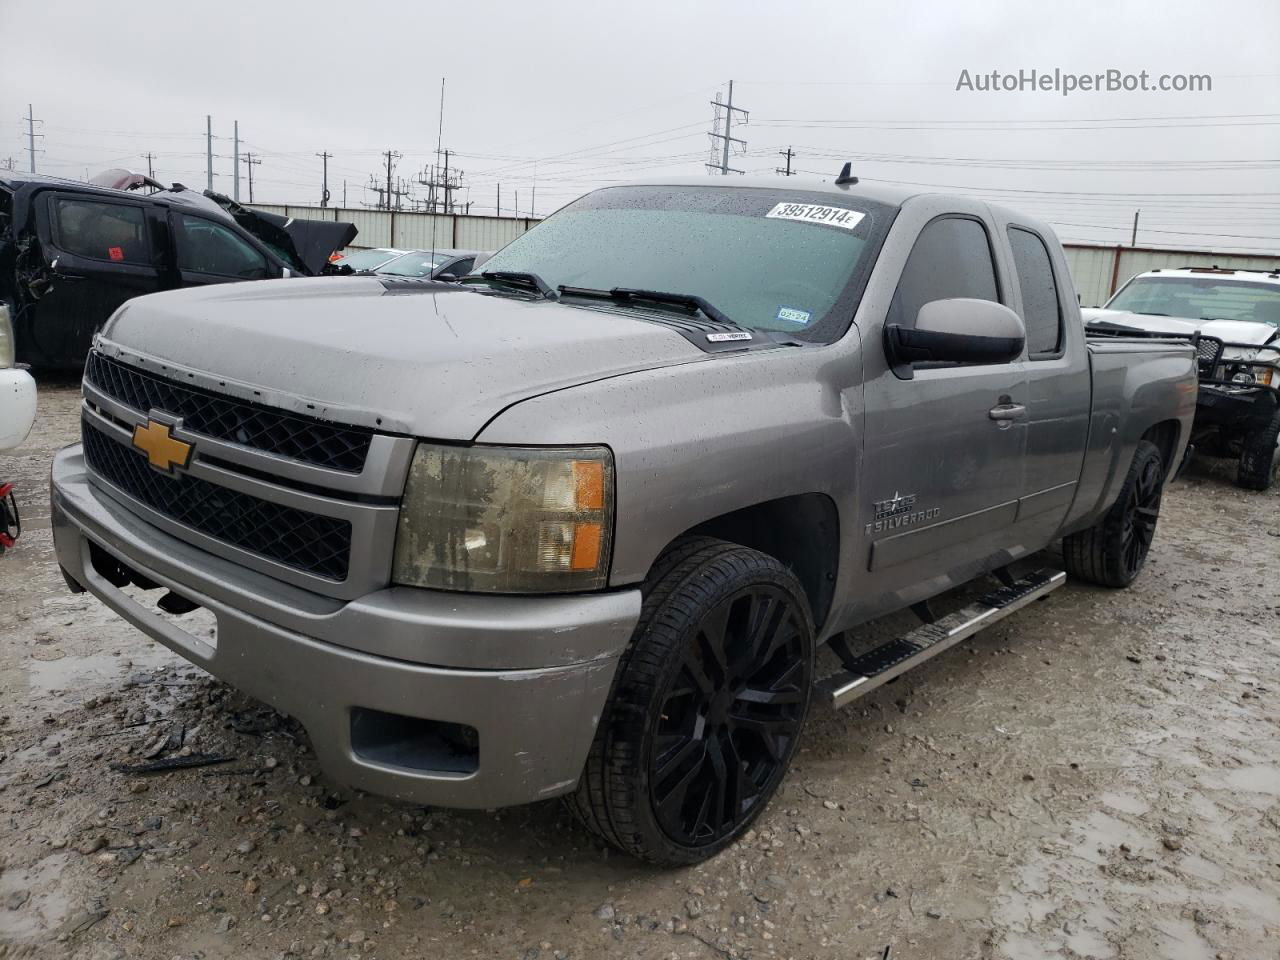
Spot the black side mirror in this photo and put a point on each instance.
(958, 330)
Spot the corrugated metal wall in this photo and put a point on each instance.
(414, 231)
(1098, 272)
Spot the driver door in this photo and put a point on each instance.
(945, 446)
(211, 252)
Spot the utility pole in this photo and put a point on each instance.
(31, 135)
(8, 163)
(533, 204)
(391, 158)
(726, 138)
(1133, 241)
(235, 163)
(497, 209)
(788, 153)
(324, 192)
(251, 161)
(208, 149)
(149, 156)
(344, 191)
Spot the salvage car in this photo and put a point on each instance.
(72, 252)
(1234, 318)
(17, 414)
(364, 261)
(580, 524)
(446, 265)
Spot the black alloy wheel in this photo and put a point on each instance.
(730, 715)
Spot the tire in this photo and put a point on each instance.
(706, 708)
(1113, 552)
(1260, 458)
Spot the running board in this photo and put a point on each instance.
(889, 660)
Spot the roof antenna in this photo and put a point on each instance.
(846, 175)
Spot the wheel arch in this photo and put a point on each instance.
(1166, 435)
(801, 531)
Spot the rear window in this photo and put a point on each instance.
(96, 230)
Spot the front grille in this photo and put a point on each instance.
(305, 541)
(235, 421)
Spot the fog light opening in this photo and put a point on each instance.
(412, 743)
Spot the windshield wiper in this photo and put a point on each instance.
(523, 280)
(690, 301)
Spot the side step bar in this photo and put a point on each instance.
(877, 667)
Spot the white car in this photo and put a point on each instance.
(17, 414)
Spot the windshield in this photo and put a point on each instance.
(786, 260)
(416, 264)
(366, 259)
(1201, 298)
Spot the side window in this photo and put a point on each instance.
(459, 269)
(103, 231)
(208, 247)
(951, 258)
(1041, 311)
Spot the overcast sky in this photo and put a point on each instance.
(575, 94)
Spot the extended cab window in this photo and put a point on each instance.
(103, 231)
(1041, 311)
(951, 258)
(208, 247)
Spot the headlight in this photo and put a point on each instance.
(6, 338)
(506, 519)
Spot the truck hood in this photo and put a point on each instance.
(1231, 331)
(439, 363)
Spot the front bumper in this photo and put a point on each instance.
(1235, 406)
(374, 679)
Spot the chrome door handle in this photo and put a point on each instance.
(1007, 411)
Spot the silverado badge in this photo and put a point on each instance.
(899, 511)
(163, 451)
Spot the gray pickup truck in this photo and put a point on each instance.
(580, 525)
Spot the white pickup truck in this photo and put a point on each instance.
(1234, 317)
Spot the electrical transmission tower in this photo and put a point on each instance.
(442, 182)
(789, 154)
(722, 130)
(392, 191)
(31, 135)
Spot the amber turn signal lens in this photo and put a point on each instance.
(588, 478)
(586, 546)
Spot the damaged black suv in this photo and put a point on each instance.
(72, 252)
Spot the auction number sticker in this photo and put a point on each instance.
(814, 213)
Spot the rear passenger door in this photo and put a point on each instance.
(99, 252)
(210, 252)
(1058, 385)
(941, 474)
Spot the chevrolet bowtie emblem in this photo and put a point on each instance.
(157, 442)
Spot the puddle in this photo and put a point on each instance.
(79, 674)
(42, 902)
(1259, 779)
(1125, 803)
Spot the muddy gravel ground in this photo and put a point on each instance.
(1098, 776)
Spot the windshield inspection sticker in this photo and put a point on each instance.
(813, 213)
(793, 315)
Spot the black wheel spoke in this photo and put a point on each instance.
(730, 714)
